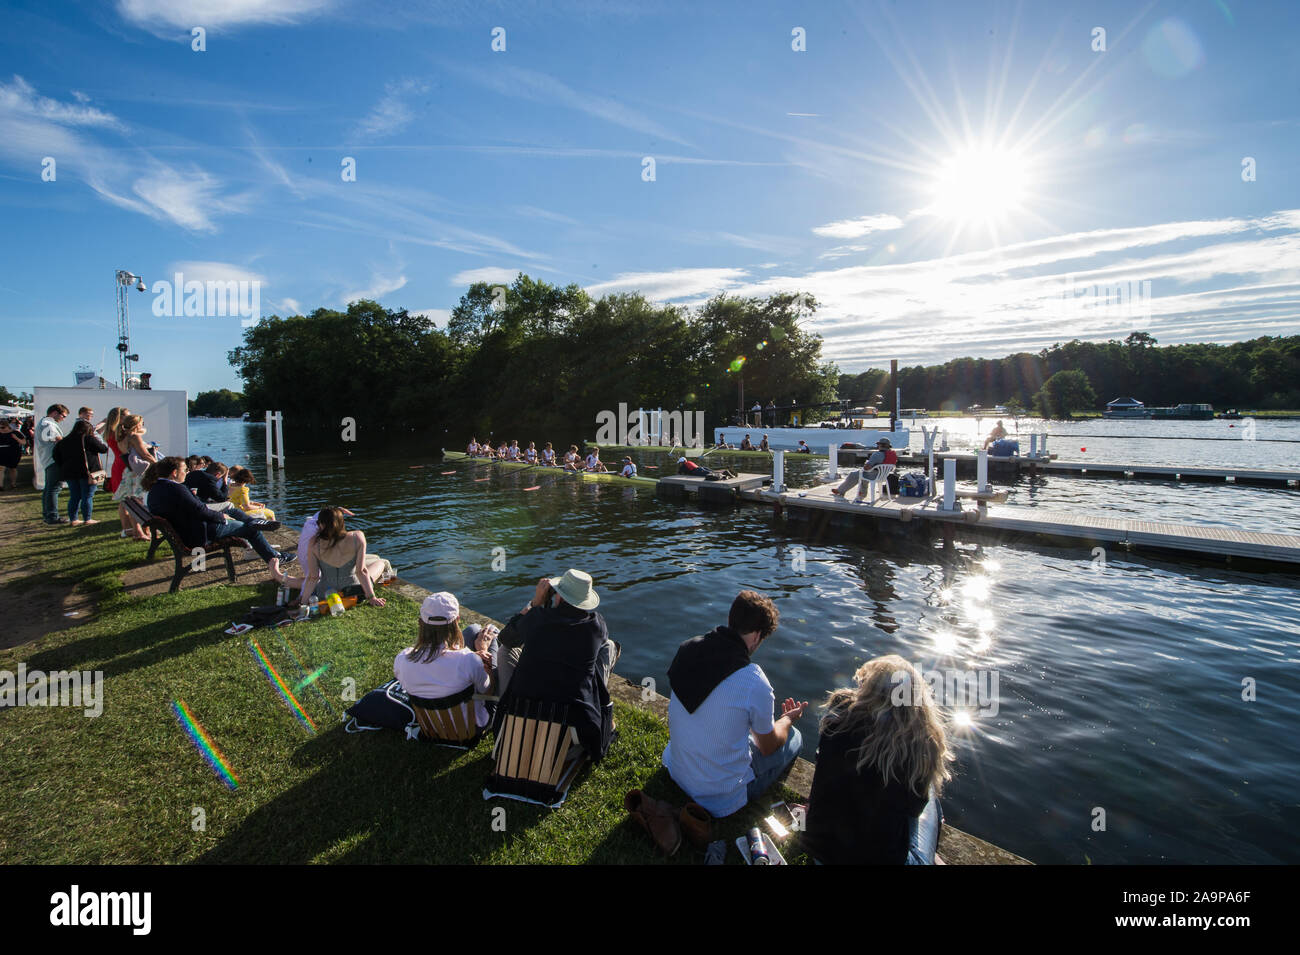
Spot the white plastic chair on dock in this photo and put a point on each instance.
(882, 472)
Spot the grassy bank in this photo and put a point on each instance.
(128, 786)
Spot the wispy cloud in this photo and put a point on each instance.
(856, 228)
(543, 88)
(380, 285)
(439, 316)
(672, 285)
(19, 98)
(491, 274)
(393, 112)
(155, 15)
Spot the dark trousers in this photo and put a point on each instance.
(239, 529)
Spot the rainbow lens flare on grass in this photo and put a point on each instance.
(203, 743)
(277, 681)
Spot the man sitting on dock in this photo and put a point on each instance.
(997, 434)
(724, 748)
(763, 445)
(884, 454)
(803, 447)
(746, 445)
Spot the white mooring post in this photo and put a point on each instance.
(1033, 444)
(274, 440)
(778, 471)
(833, 453)
(1043, 446)
(929, 475)
(949, 484)
(982, 470)
(659, 427)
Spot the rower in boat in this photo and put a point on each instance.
(629, 469)
(531, 454)
(594, 464)
(514, 452)
(503, 452)
(472, 450)
(571, 459)
(548, 456)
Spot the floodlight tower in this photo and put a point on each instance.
(125, 280)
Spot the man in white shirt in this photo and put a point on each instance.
(629, 469)
(724, 747)
(46, 476)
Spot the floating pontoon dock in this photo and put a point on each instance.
(1011, 522)
(966, 462)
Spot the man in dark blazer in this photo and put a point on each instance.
(199, 525)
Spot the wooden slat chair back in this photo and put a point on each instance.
(537, 755)
(160, 529)
(448, 720)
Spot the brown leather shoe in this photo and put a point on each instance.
(697, 825)
(657, 818)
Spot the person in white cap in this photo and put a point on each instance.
(560, 652)
(440, 664)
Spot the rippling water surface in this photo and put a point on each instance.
(1118, 687)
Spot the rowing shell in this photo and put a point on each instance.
(607, 477)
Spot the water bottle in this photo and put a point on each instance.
(335, 603)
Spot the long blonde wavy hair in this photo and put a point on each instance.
(905, 742)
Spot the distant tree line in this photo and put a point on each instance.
(7, 397)
(222, 403)
(531, 361)
(1262, 373)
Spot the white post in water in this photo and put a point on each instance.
(1033, 444)
(929, 471)
(659, 427)
(274, 440)
(778, 471)
(949, 484)
(982, 470)
(833, 452)
(1043, 446)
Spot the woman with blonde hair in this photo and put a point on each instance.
(129, 442)
(881, 763)
(115, 416)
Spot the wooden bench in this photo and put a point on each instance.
(533, 761)
(160, 529)
(448, 720)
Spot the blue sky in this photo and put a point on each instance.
(946, 179)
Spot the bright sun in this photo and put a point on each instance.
(980, 186)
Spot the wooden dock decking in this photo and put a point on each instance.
(1082, 528)
(1251, 477)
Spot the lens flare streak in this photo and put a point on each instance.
(277, 681)
(203, 743)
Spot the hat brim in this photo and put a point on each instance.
(591, 603)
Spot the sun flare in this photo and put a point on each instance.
(980, 186)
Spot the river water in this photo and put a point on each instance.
(1119, 686)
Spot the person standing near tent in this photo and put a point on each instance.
(11, 449)
(46, 476)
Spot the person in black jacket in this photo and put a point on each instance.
(881, 762)
(77, 456)
(209, 486)
(564, 655)
(199, 525)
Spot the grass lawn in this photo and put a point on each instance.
(129, 787)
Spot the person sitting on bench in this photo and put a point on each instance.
(198, 525)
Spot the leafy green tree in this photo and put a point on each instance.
(1065, 393)
(223, 403)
